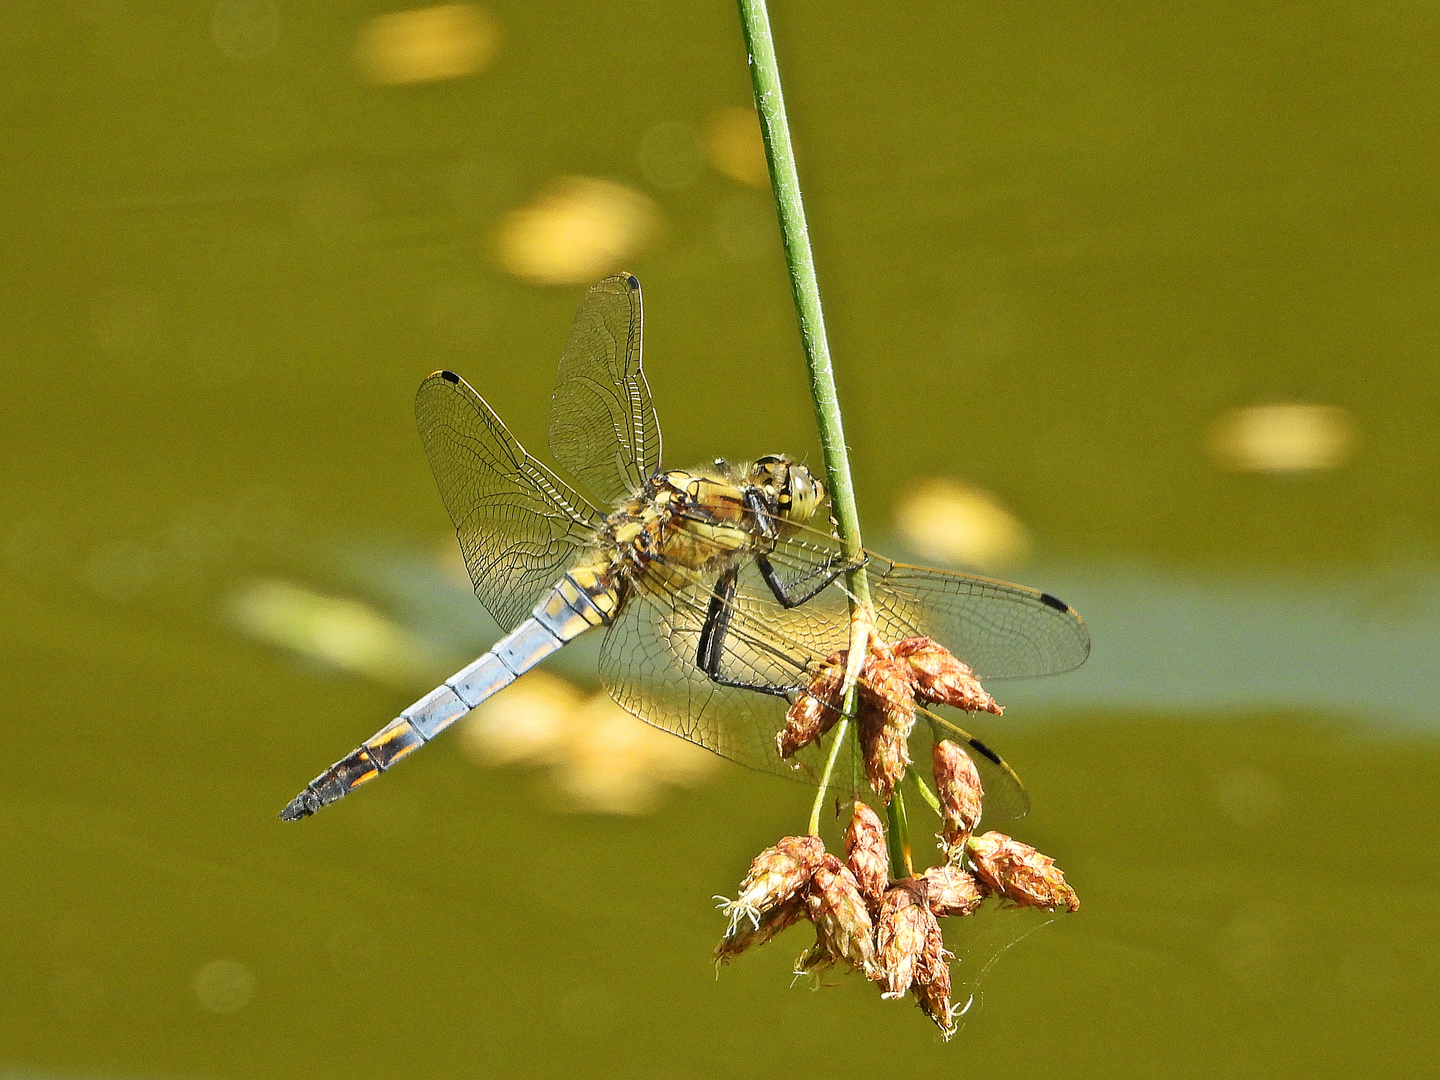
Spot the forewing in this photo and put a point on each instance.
(1002, 631)
(603, 427)
(518, 524)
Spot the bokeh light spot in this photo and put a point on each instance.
(124, 323)
(600, 758)
(245, 29)
(577, 229)
(1248, 796)
(735, 148)
(339, 631)
(525, 725)
(447, 41)
(224, 986)
(954, 522)
(745, 227)
(1283, 438)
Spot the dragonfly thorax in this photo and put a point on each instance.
(681, 523)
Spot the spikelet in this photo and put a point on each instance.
(742, 935)
(815, 710)
(843, 930)
(940, 679)
(958, 786)
(777, 874)
(1020, 874)
(932, 983)
(866, 854)
(949, 890)
(906, 922)
(887, 715)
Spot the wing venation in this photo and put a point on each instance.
(603, 427)
(519, 525)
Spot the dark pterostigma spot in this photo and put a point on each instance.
(1053, 601)
(450, 376)
(632, 281)
(985, 751)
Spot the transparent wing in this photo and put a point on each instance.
(1005, 794)
(648, 664)
(1003, 631)
(603, 427)
(518, 524)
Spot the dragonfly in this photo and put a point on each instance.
(720, 591)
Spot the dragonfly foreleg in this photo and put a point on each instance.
(786, 594)
(711, 652)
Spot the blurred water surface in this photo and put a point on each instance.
(1155, 289)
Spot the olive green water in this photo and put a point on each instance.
(1055, 245)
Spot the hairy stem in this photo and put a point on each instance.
(785, 183)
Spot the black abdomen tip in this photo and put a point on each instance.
(299, 808)
(1053, 601)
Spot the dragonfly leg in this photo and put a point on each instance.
(785, 593)
(711, 652)
(764, 522)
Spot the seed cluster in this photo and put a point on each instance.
(893, 679)
(889, 930)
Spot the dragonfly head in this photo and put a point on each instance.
(790, 488)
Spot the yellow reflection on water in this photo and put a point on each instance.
(734, 146)
(577, 229)
(224, 986)
(342, 632)
(600, 758)
(447, 41)
(953, 522)
(1283, 438)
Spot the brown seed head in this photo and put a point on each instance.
(777, 874)
(886, 717)
(949, 890)
(1020, 874)
(905, 926)
(866, 854)
(932, 984)
(743, 935)
(940, 679)
(843, 929)
(815, 711)
(958, 786)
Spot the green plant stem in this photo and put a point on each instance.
(900, 864)
(785, 183)
(931, 799)
(842, 732)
